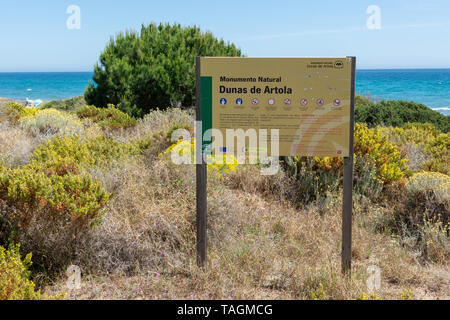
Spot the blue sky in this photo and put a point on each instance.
(413, 34)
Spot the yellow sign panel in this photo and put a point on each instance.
(306, 99)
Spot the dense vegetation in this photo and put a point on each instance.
(398, 113)
(97, 188)
(72, 104)
(155, 68)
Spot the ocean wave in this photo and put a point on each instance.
(442, 109)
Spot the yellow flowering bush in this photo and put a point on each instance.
(107, 118)
(14, 277)
(436, 185)
(51, 121)
(418, 133)
(185, 150)
(69, 201)
(70, 154)
(431, 141)
(15, 111)
(405, 295)
(373, 145)
(377, 162)
(439, 151)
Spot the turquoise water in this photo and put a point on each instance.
(43, 85)
(428, 86)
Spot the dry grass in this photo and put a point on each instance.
(16, 145)
(259, 247)
(155, 122)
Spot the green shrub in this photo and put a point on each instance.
(175, 127)
(155, 68)
(426, 214)
(14, 277)
(430, 192)
(398, 114)
(311, 182)
(434, 144)
(67, 201)
(439, 149)
(72, 104)
(51, 121)
(417, 133)
(107, 118)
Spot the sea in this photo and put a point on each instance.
(428, 86)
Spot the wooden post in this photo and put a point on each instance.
(348, 185)
(201, 177)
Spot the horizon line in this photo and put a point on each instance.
(363, 68)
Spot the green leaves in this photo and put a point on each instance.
(398, 113)
(139, 72)
(107, 118)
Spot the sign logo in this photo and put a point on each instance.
(304, 102)
(339, 64)
(238, 101)
(255, 101)
(336, 102)
(287, 101)
(271, 101)
(320, 102)
(223, 101)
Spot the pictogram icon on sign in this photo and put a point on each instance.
(320, 102)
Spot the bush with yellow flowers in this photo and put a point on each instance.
(378, 162)
(373, 146)
(405, 295)
(183, 152)
(427, 138)
(439, 151)
(428, 196)
(16, 111)
(107, 118)
(70, 154)
(29, 197)
(417, 133)
(14, 277)
(434, 185)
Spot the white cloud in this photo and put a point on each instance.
(344, 30)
